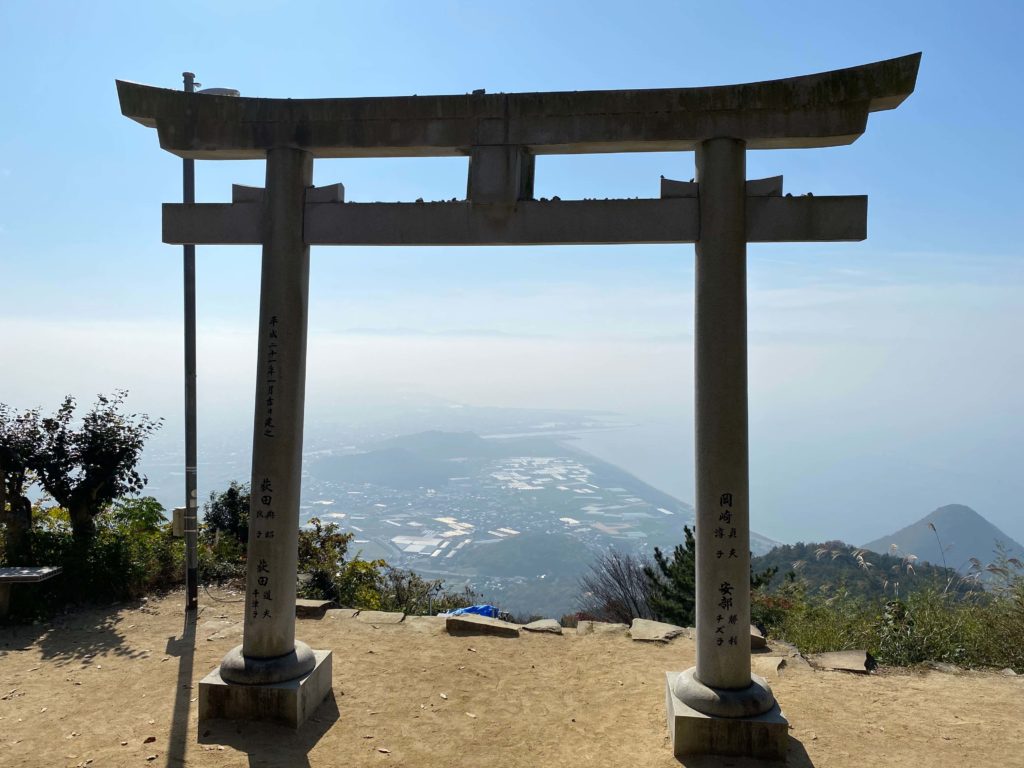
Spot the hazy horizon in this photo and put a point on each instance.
(884, 375)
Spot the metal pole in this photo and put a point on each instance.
(191, 492)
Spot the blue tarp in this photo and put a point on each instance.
(480, 610)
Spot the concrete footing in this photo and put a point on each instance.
(288, 703)
(763, 736)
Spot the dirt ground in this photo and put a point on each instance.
(118, 687)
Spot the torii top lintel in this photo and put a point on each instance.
(820, 110)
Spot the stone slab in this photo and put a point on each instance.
(312, 609)
(29, 574)
(341, 613)
(757, 640)
(693, 733)
(429, 624)
(843, 661)
(480, 625)
(600, 628)
(544, 625)
(817, 110)
(22, 575)
(767, 667)
(672, 220)
(289, 703)
(654, 631)
(380, 617)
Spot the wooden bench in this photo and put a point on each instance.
(22, 575)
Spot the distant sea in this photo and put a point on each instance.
(660, 454)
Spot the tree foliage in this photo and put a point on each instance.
(17, 451)
(227, 513)
(139, 515)
(128, 556)
(833, 566)
(86, 466)
(672, 582)
(406, 591)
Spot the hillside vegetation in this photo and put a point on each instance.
(833, 567)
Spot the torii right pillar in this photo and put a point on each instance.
(718, 706)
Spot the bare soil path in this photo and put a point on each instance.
(118, 687)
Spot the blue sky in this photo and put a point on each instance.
(884, 374)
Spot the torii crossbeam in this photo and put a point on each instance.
(717, 706)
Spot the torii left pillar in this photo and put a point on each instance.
(271, 676)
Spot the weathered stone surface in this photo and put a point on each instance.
(941, 666)
(236, 667)
(544, 625)
(720, 414)
(1007, 672)
(654, 631)
(824, 109)
(693, 733)
(756, 638)
(312, 609)
(843, 661)
(380, 617)
(480, 625)
(290, 702)
(795, 661)
(341, 613)
(755, 699)
(599, 628)
(767, 667)
(428, 624)
(276, 479)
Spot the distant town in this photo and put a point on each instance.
(517, 516)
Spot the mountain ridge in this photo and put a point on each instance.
(963, 533)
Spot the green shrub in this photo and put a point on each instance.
(130, 555)
(410, 593)
(227, 514)
(221, 559)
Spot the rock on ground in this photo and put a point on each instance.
(480, 625)
(756, 638)
(544, 625)
(767, 667)
(654, 631)
(843, 661)
(313, 609)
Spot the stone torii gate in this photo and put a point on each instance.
(717, 706)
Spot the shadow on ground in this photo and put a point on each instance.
(73, 637)
(796, 757)
(273, 745)
(184, 649)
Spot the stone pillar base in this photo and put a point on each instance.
(694, 733)
(288, 703)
